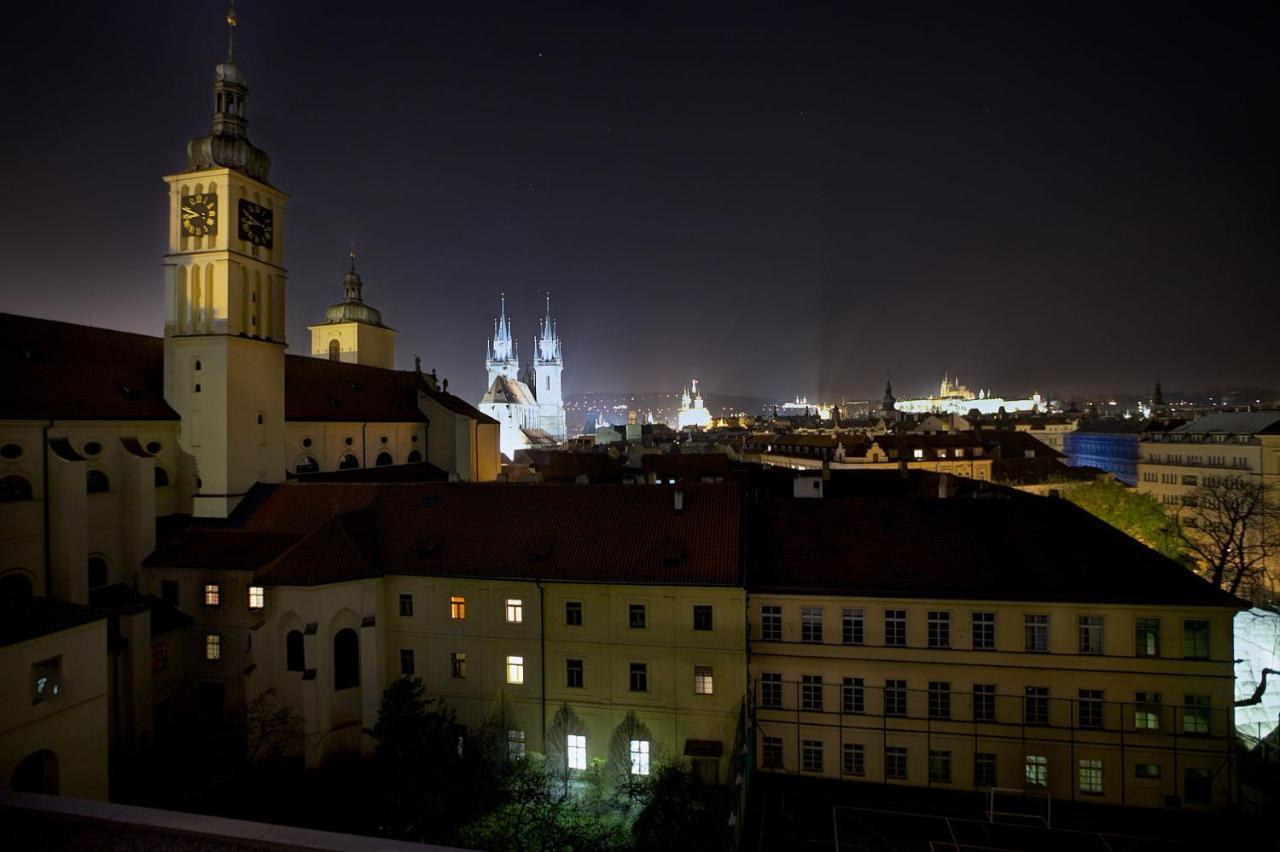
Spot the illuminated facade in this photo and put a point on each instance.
(692, 413)
(527, 404)
(353, 331)
(955, 398)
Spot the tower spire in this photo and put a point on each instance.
(231, 32)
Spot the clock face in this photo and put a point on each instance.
(255, 224)
(200, 214)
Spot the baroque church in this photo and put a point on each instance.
(528, 406)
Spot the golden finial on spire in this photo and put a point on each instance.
(351, 248)
(231, 28)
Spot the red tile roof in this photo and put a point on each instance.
(63, 371)
(1018, 548)
(597, 533)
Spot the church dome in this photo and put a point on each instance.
(352, 308)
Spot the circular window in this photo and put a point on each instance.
(383, 439)
(10, 451)
(154, 447)
(306, 442)
(199, 483)
(92, 448)
(348, 442)
(414, 439)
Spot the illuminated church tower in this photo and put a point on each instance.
(502, 358)
(224, 330)
(352, 330)
(548, 364)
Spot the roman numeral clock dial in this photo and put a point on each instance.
(199, 214)
(255, 224)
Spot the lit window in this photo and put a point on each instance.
(212, 646)
(702, 680)
(212, 594)
(639, 757)
(918, 454)
(457, 664)
(515, 744)
(577, 751)
(457, 608)
(1037, 770)
(515, 611)
(515, 669)
(257, 597)
(46, 679)
(1146, 712)
(1091, 777)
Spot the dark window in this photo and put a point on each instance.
(701, 617)
(771, 623)
(984, 631)
(382, 460)
(414, 457)
(639, 677)
(852, 696)
(1195, 639)
(811, 692)
(96, 482)
(939, 699)
(14, 488)
(770, 689)
(1198, 785)
(573, 673)
(97, 572)
(895, 627)
(17, 585)
(11, 451)
(92, 448)
(37, 773)
(161, 477)
(1035, 706)
(306, 464)
(159, 656)
(573, 613)
(348, 462)
(939, 629)
(773, 752)
(346, 659)
(294, 652)
(984, 702)
(636, 614)
(895, 763)
(895, 698)
(984, 769)
(335, 351)
(406, 661)
(1090, 708)
(406, 605)
(169, 592)
(939, 767)
(154, 447)
(855, 760)
(851, 626)
(811, 624)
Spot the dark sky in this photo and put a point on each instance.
(776, 198)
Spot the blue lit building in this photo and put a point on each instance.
(1111, 445)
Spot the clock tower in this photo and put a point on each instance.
(224, 330)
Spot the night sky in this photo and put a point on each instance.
(776, 198)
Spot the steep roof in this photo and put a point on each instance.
(1017, 548)
(63, 371)
(550, 532)
(508, 391)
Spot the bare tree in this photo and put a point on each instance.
(273, 732)
(1231, 525)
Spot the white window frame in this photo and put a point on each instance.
(515, 670)
(639, 750)
(576, 751)
(515, 611)
(257, 597)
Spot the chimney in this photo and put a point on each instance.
(826, 470)
(944, 486)
(679, 499)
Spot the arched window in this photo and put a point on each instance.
(162, 477)
(346, 659)
(306, 464)
(97, 572)
(383, 460)
(14, 487)
(16, 584)
(295, 656)
(335, 351)
(414, 457)
(348, 462)
(96, 482)
(37, 773)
